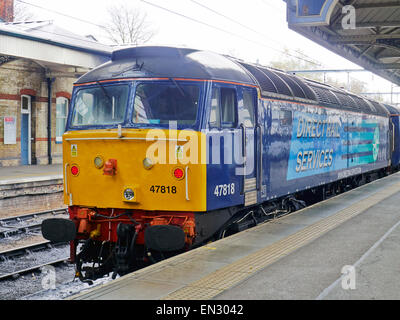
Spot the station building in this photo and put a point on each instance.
(39, 62)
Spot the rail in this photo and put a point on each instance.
(17, 225)
(22, 251)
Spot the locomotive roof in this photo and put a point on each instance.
(167, 62)
(393, 110)
(170, 62)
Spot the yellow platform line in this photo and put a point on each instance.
(230, 275)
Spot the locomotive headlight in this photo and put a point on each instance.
(129, 194)
(147, 163)
(98, 162)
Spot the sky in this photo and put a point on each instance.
(255, 30)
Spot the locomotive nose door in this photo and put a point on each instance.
(250, 132)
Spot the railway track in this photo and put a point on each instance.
(63, 289)
(17, 253)
(27, 258)
(23, 224)
(31, 269)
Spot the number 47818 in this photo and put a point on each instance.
(224, 189)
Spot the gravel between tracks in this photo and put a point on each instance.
(35, 285)
(47, 283)
(20, 241)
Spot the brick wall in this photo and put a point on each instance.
(26, 77)
(7, 10)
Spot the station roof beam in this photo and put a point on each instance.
(374, 42)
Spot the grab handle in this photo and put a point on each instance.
(187, 183)
(66, 184)
(66, 177)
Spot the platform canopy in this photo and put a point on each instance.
(366, 32)
(58, 50)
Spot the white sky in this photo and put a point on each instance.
(267, 17)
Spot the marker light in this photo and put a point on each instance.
(147, 163)
(129, 194)
(179, 173)
(98, 162)
(74, 170)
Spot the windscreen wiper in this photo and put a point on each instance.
(105, 92)
(178, 86)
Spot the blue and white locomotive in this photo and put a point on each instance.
(268, 142)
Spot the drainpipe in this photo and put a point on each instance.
(49, 100)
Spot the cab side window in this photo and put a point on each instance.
(223, 108)
(247, 113)
(215, 116)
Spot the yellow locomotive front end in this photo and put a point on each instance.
(134, 169)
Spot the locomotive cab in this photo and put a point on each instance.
(394, 132)
(131, 143)
(133, 174)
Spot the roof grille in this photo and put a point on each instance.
(296, 89)
(308, 92)
(379, 107)
(265, 83)
(278, 82)
(275, 81)
(325, 96)
(282, 87)
(346, 100)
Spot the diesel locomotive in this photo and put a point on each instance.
(168, 148)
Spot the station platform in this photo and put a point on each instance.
(26, 189)
(20, 174)
(347, 247)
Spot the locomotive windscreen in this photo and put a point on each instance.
(161, 102)
(102, 105)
